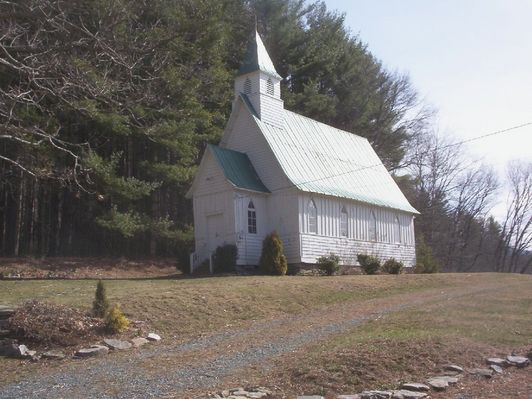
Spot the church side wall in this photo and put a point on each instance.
(276, 211)
(391, 239)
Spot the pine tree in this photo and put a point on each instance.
(100, 306)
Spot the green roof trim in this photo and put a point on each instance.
(257, 59)
(238, 169)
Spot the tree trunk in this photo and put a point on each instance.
(20, 215)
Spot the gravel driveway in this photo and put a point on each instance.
(174, 371)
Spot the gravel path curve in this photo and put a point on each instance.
(123, 375)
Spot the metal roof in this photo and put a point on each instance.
(238, 169)
(257, 59)
(318, 158)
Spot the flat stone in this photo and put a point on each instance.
(451, 380)
(256, 395)
(310, 397)
(95, 350)
(496, 368)
(415, 386)
(153, 337)
(6, 312)
(240, 392)
(407, 394)
(453, 367)
(263, 390)
(487, 373)
(237, 397)
(438, 383)
(497, 361)
(376, 395)
(348, 397)
(53, 355)
(519, 361)
(9, 348)
(139, 341)
(117, 344)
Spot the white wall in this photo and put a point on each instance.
(213, 195)
(358, 240)
(276, 211)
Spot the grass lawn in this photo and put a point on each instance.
(189, 307)
(411, 344)
(491, 316)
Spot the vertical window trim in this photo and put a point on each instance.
(372, 226)
(397, 236)
(312, 217)
(344, 222)
(270, 87)
(252, 218)
(247, 86)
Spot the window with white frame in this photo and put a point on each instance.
(372, 227)
(252, 218)
(397, 231)
(343, 222)
(312, 215)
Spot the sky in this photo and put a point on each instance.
(471, 60)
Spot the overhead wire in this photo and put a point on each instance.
(484, 136)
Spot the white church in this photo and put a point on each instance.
(322, 189)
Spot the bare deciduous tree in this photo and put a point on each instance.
(517, 226)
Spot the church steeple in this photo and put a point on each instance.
(260, 83)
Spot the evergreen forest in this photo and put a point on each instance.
(106, 107)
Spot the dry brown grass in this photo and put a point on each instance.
(413, 344)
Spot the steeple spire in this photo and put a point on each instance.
(257, 59)
(259, 84)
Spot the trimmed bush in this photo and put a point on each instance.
(224, 258)
(392, 266)
(116, 321)
(100, 306)
(425, 261)
(329, 264)
(369, 264)
(272, 259)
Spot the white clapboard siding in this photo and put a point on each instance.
(213, 195)
(274, 212)
(329, 240)
(243, 135)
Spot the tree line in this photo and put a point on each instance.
(106, 107)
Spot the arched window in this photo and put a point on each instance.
(312, 218)
(397, 231)
(372, 227)
(270, 89)
(343, 222)
(247, 86)
(252, 218)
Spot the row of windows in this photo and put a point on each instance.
(270, 88)
(312, 223)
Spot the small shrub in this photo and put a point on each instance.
(115, 320)
(329, 264)
(425, 261)
(392, 266)
(224, 258)
(272, 259)
(100, 306)
(369, 264)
